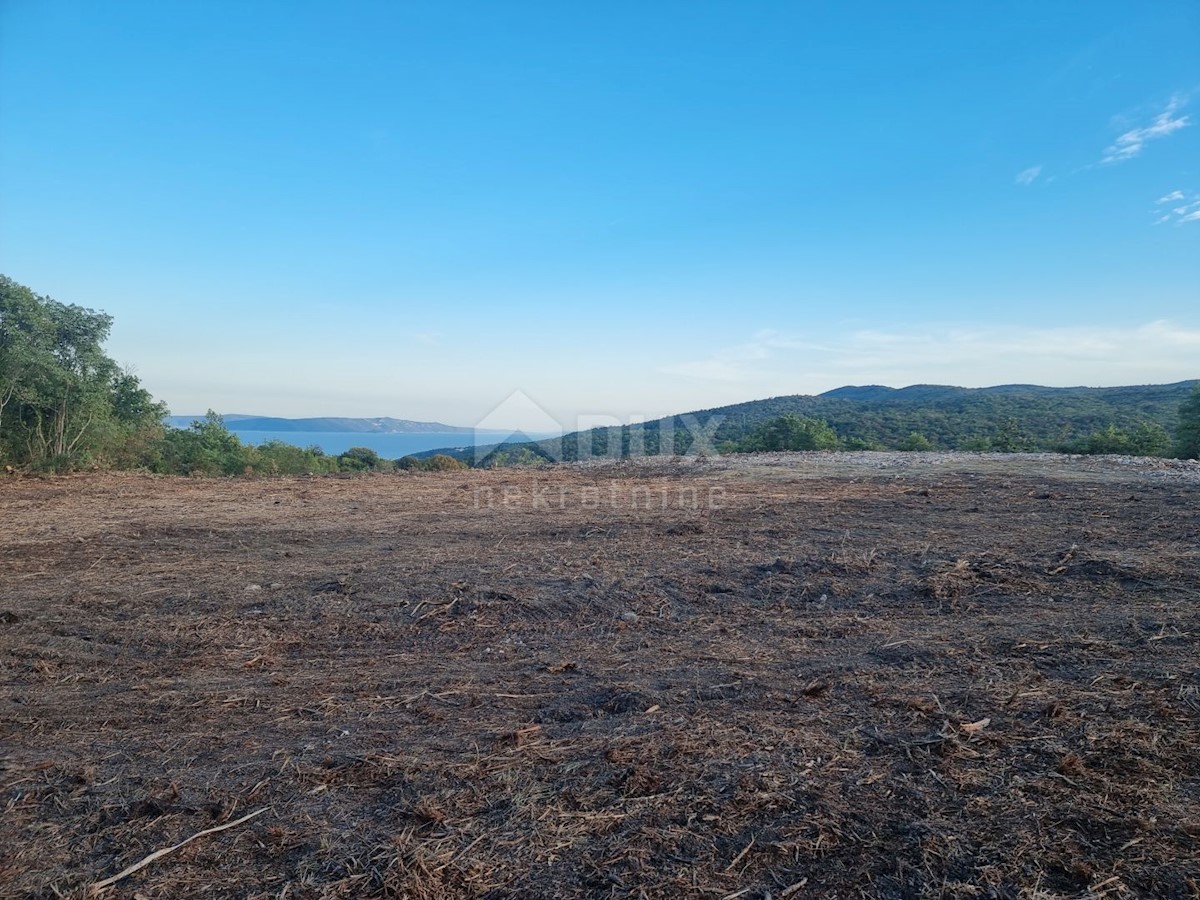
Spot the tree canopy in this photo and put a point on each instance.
(63, 402)
(791, 432)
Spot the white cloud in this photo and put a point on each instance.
(1028, 176)
(1130, 144)
(1162, 330)
(741, 362)
(973, 357)
(708, 370)
(1187, 211)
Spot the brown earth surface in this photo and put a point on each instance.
(863, 675)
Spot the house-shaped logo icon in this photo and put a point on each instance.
(517, 417)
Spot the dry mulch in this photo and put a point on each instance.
(962, 680)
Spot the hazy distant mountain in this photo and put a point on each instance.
(381, 425)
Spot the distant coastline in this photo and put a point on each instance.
(389, 445)
(378, 425)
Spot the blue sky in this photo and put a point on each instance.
(620, 209)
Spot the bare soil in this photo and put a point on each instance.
(862, 675)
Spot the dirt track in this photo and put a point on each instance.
(875, 675)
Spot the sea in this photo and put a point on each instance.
(389, 446)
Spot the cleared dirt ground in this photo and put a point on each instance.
(784, 676)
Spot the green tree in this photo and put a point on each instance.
(1009, 438)
(1145, 439)
(1109, 440)
(206, 448)
(24, 327)
(791, 432)
(360, 459)
(443, 463)
(278, 458)
(916, 441)
(1187, 435)
(63, 401)
(1149, 439)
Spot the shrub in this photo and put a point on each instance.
(443, 463)
(977, 443)
(278, 458)
(359, 459)
(206, 448)
(857, 443)
(916, 441)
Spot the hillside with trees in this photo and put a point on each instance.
(1137, 420)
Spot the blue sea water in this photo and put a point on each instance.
(389, 446)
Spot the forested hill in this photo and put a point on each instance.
(1024, 417)
(952, 416)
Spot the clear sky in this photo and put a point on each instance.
(620, 208)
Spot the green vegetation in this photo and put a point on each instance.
(64, 404)
(1010, 437)
(362, 459)
(442, 463)
(506, 455)
(1187, 435)
(438, 462)
(209, 448)
(1145, 439)
(916, 442)
(278, 458)
(790, 432)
